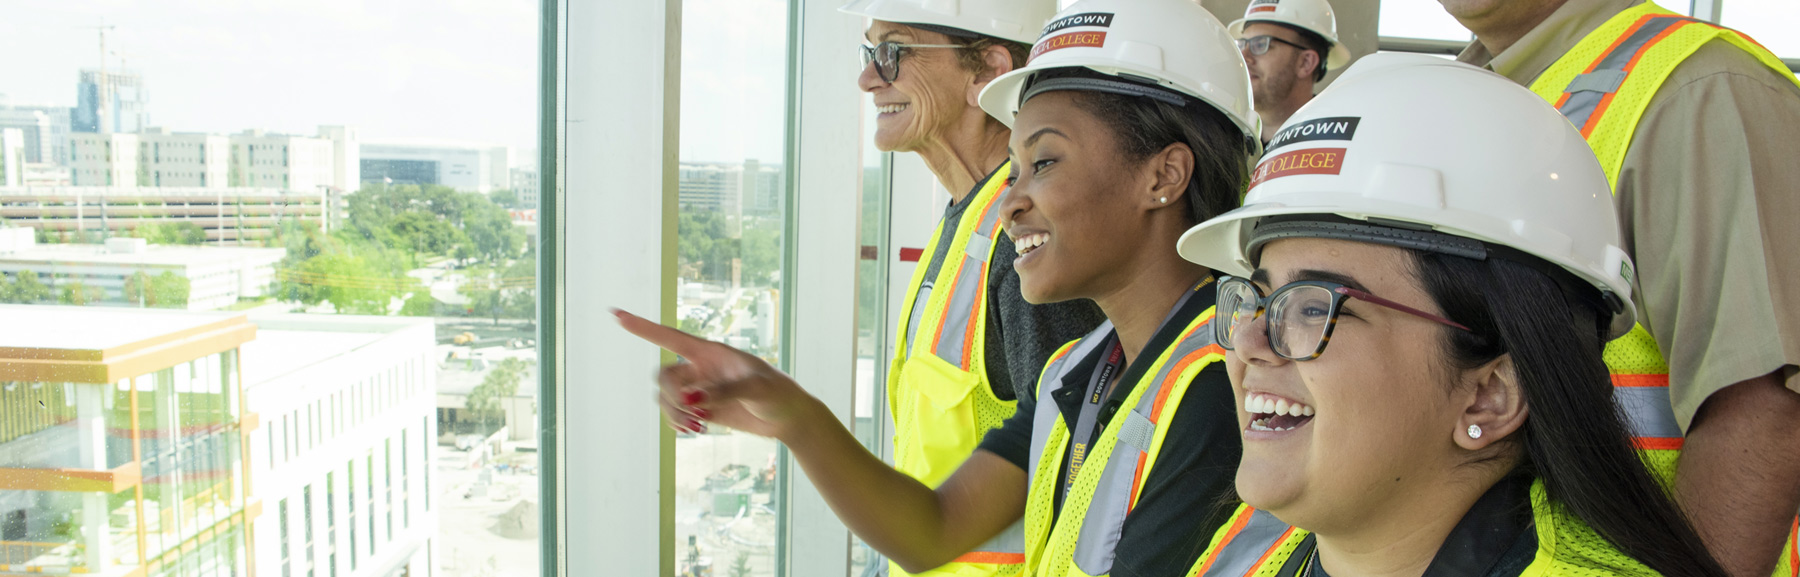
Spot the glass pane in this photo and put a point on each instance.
(872, 332)
(1770, 22)
(1420, 19)
(350, 224)
(732, 223)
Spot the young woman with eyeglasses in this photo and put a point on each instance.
(1416, 313)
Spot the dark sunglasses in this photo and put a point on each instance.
(886, 57)
(1302, 314)
(1259, 45)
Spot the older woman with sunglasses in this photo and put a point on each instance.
(1415, 320)
(970, 346)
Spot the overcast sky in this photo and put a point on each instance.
(442, 69)
(462, 69)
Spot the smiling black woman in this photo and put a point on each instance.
(1115, 464)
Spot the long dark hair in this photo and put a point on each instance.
(1575, 439)
(1144, 127)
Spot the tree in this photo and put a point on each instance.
(420, 304)
(24, 289)
(79, 294)
(170, 290)
(504, 197)
(425, 233)
(183, 233)
(500, 383)
(741, 566)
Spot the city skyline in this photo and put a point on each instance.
(392, 70)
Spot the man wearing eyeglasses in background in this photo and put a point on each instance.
(1289, 45)
(968, 345)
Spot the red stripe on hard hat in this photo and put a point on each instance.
(1070, 40)
(1263, 8)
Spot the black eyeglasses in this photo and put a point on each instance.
(886, 57)
(1302, 314)
(1259, 45)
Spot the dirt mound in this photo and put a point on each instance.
(519, 522)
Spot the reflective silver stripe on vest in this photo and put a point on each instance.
(1012, 540)
(1237, 557)
(1097, 545)
(1587, 90)
(1044, 420)
(1647, 412)
(960, 313)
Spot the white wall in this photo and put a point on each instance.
(364, 401)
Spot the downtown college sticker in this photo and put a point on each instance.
(1307, 161)
(1076, 39)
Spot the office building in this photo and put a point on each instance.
(111, 101)
(215, 277)
(525, 186)
(46, 129)
(109, 160)
(12, 157)
(227, 216)
(122, 453)
(262, 159)
(735, 189)
(47, 174)
(343, 459)
(197, 160)
(462, 166)
(346, 157)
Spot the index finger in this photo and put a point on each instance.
(669, 338)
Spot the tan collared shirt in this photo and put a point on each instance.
(1709, 202)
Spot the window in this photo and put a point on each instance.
(287, 566)
(306, 520)
(387, 481)
(369, 471)
(350, 506)
(331, 523)
(405, 506)
(1770, 22)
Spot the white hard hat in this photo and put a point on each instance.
(1172, 44)
(1015, 20)
(1312, 15)
(1425, 153)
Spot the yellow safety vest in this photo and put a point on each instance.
(938, 390)
(1083, 539)
(1256, 544)
(1603, 85)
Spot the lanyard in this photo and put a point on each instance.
(1097, 389)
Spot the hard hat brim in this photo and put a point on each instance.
(1220, 243)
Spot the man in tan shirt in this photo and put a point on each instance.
(1709, 201)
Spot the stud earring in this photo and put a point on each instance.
(1474, 431)
(1164, 200)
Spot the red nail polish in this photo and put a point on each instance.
(692, 397)
(703, 414)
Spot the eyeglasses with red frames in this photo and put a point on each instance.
(1302, 314)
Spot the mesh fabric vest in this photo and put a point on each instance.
(1603, 85)
(938, 389)
(1082, 540)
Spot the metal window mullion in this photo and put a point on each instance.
(823, 162)
(620, 104)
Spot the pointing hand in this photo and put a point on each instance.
(720, 384)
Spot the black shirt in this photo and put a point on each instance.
(1185, 498)
(1021, 336)
(1496, 538)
